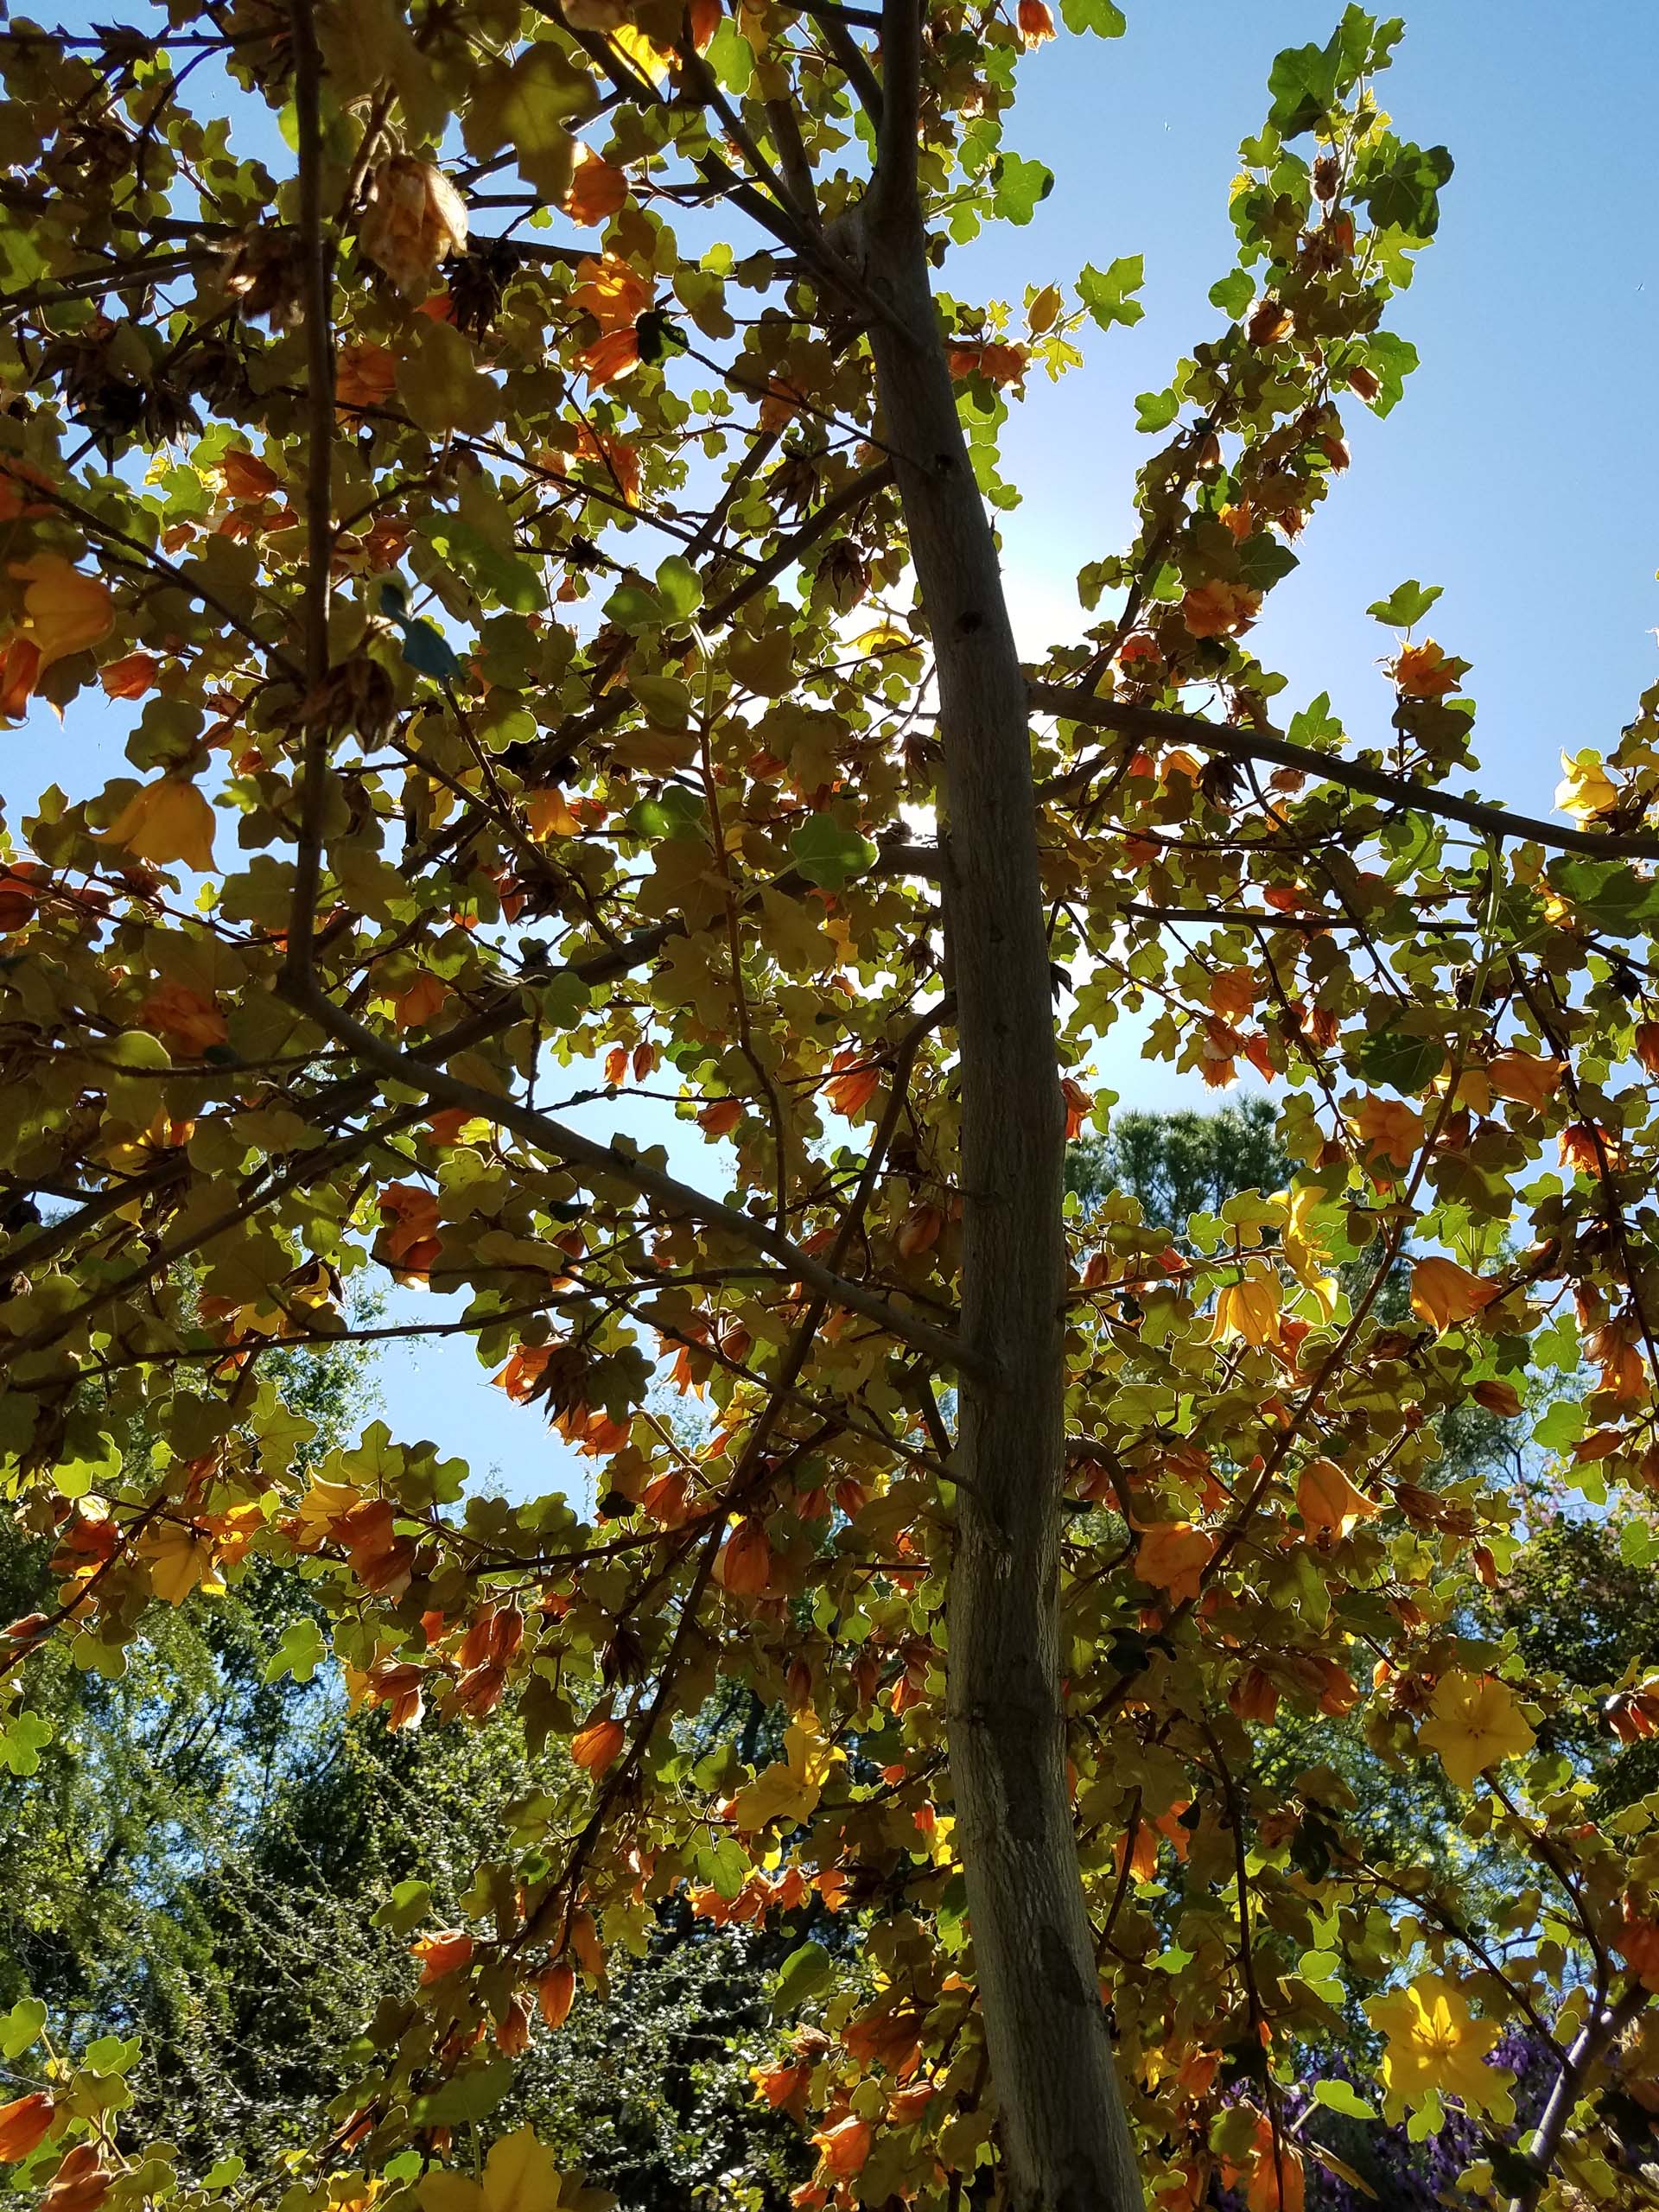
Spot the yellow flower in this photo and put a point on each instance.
(1434, 2044)
(1527, 1079)
(1474, 1723)
(1442, 1293)
(1306, 1256)
(1585, 788)
(1248, 1310)
(167, 821)
(791, 1789)
(1425, 671)
(64, 611)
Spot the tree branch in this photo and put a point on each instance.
(1158, 726)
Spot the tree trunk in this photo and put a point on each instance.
(1067, 2138)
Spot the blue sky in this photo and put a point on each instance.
(1519, 473)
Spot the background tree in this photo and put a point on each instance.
(593, 626)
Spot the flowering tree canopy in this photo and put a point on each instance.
(539, 506)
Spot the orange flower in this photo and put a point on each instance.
(919, 1230)
(548, 814)
(1253, 1696)
(744, 1567)
(247, 477)
(1173, 1556)
(1442, 1293)
(1220, 610)
(415, 1007)
(720, 1116)
(24, 2123)
(415, 217)
(1389, 1130)
(998, 364)
(1079, 1102)
(555, 1993)
(1328, 1502)
(1582, 1145)
(449, 1949)
(523, 1371)
(854, 1081)
(611, 290)
(845, 2146)
(596, 188)
(19, 669)
(619, 462)
(1424, 672)
(185, 1016)
(1637, 1942)
(609, 357)
(364, 376)
(1035, 22)
(81, 2185)
(411, 1215)
(594, 1747)
(129, 677)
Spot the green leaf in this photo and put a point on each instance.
(472, 2095)
(224, 2171)
(659, 336)
(22, 1741)
(1314, 723)
(829, 854)
(731, 57)
(1406, 605)
(679, 587)
(1564, 1424)
(440, 384)
(1610, 894)
(299, 1653)
(1108, 294)
(1401, 1061)
(136, 1048)
(1262, 560)
(1303, 83)
(20, 2026)
(405, 1909)
(725, 1866)
(1232, 294)
(109, 2055)
(1638, 1544)
(1156, 410)
(1341, 2097)
(1104, 17)
(803, 1975)
(633, 607)
(1405, 196)
(1019, 186)
(1391, 360)
(665, 698)
(528, 106)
